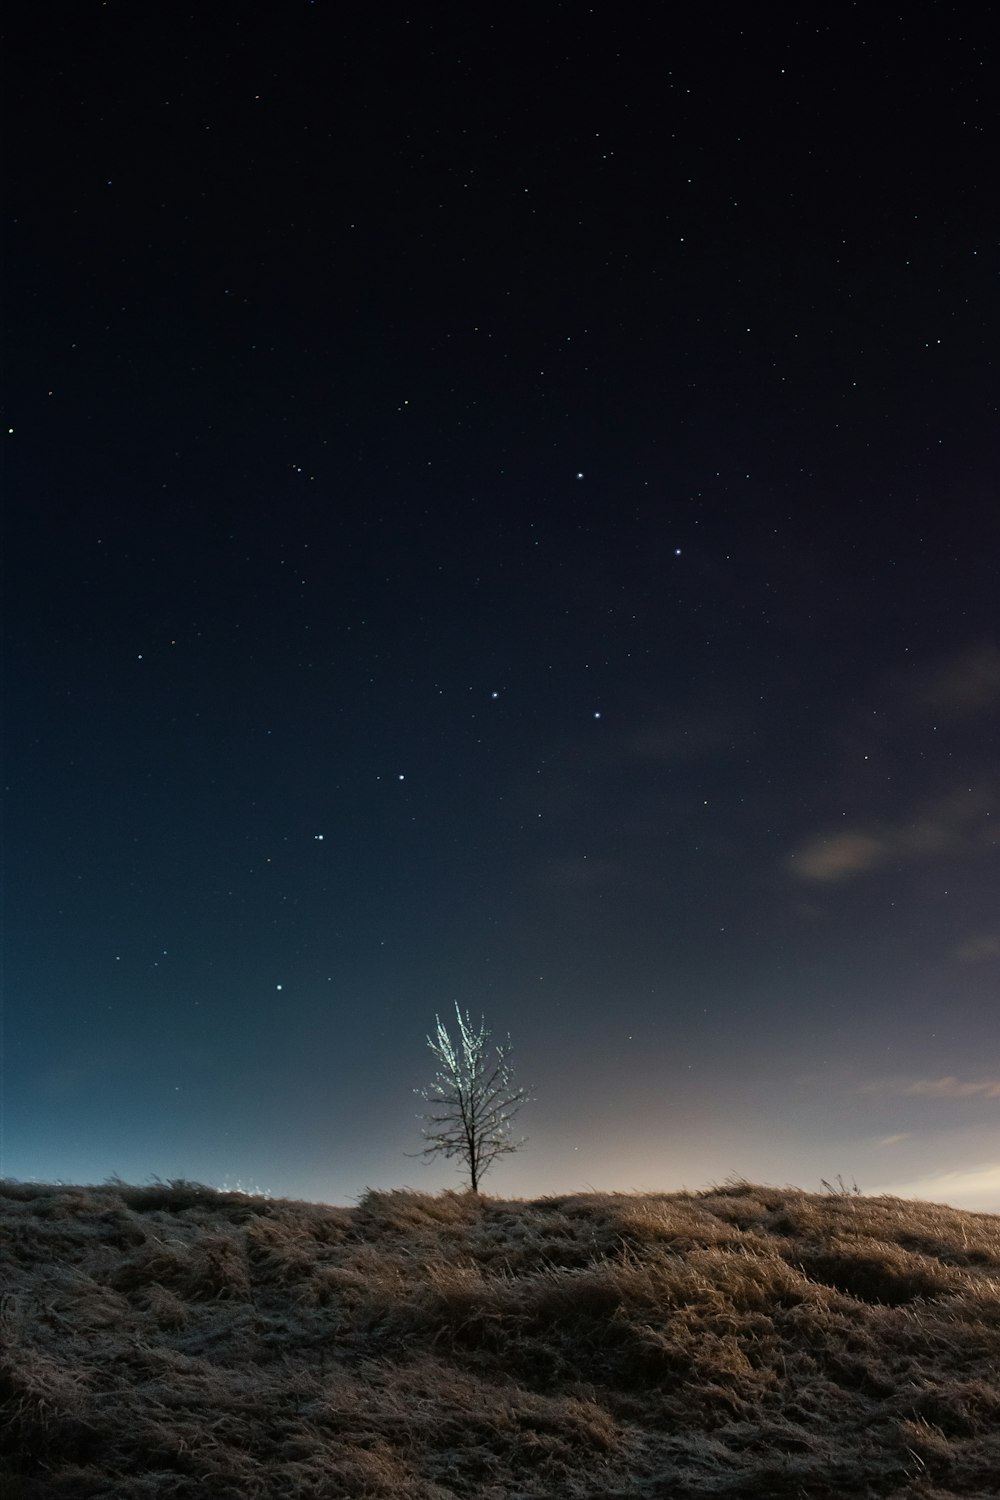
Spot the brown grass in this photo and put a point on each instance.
(745, 1341)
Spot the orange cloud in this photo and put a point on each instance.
(839, 857)
(956, 824)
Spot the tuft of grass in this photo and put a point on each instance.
(744, 1341)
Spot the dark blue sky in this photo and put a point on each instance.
(503, 513)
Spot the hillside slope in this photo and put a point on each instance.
(745, 1341)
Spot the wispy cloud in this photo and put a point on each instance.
(935, 1088)
(896, 1140)
(691, 734)
(963, 684)
(974, 1188)
(957, 824)
(979, 949)
(838, 857)
(953, 1088)
(910, 726)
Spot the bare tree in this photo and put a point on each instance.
(473, 1099)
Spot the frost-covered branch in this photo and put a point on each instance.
(473, 1099)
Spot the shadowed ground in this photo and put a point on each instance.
(744, 1341)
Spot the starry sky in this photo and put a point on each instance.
(501, 508)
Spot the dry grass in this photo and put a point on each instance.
(746, 1341)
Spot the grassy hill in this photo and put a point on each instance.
(175, 1341)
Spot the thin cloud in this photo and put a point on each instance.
(896, 1140)
(936, 1088)
(964, 684)
(958, 824)
(953, 1088)
(839, 857)
(980, 949)
(687, 736)
(976, 1189)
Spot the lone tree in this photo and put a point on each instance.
(473, 1099)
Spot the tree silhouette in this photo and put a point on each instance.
(473, 1099)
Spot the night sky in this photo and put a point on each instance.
(502, 508)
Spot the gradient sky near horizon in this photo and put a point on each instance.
(503, 510)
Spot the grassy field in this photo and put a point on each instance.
(171, 1340)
